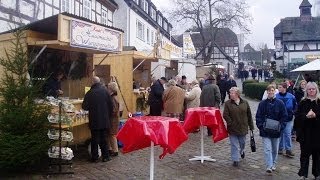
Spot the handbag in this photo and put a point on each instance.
(271, 126)
(252, 142)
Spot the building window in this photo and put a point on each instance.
(305, 47)
(146, 6)
(152, 38)
(165, 25)
(87, 9)
(65, 5)
(104, 16)
(136, 1)
(160, 20)
(140, 30)
(294, 46)
(153, 13)
(110, 18)
(148, 35)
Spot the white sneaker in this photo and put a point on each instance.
(269, 171)
(273, 168)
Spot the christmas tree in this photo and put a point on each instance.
(23, 123)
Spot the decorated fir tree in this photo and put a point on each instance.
(23, 123)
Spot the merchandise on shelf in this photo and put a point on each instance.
(65, 135)
(66, 153)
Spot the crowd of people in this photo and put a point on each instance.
(282, 111)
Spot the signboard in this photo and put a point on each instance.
(310, 58)
(188, 47)
(93, 36)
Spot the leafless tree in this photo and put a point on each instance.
(211, 15)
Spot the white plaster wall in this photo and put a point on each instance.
(121, 20)
(187, 68)
(8, 3)
(26, 8)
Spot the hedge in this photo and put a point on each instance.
(255, 90)
(246, 82)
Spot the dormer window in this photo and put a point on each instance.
(153, 13)
(136, 1)
(165, 25)
(145, 6)
(160, 20)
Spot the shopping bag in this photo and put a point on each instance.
(252, 142)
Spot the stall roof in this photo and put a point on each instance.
(49, 25)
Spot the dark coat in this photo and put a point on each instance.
(231, 83)
(238, 117)
(98, 102)
(299, 93)
(223, 85)
(308, 130)
(155, 95)
(51, 86)
(273, 109)
(210, 96)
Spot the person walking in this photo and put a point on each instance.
(210, 96)
(155, 97)
(231, 83)
(98, 102)
(112, 139)
(270, 109)
(307, 126)
(286, 135)
(237, 114)
(173, 99)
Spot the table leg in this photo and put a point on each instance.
(202, 158)
(152, 160)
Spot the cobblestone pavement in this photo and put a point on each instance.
(135, 165)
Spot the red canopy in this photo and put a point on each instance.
(138, 132)
(206, 116)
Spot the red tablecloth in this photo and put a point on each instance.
(205, 116)
(138, 132)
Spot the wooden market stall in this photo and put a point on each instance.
(129, 69)
(68, 42)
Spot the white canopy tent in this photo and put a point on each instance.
(311, 66)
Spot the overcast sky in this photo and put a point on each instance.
(266, 15)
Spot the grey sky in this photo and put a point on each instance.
(266, 15)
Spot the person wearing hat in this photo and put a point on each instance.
(210, 95)
(155, 97)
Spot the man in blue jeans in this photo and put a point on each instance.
(290, 102)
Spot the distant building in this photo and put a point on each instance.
(297, 39)
(257, 57)
(226, 47)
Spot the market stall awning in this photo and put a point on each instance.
(311, 66)
(70, 32)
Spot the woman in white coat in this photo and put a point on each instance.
(192, 98)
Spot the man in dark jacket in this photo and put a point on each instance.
(271, 108)
(155, 97)
(52, 87)
(210, 96)
(98, 102)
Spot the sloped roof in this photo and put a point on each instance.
(305, 3)
(248, 46)
(224, 37)
(295, 29)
